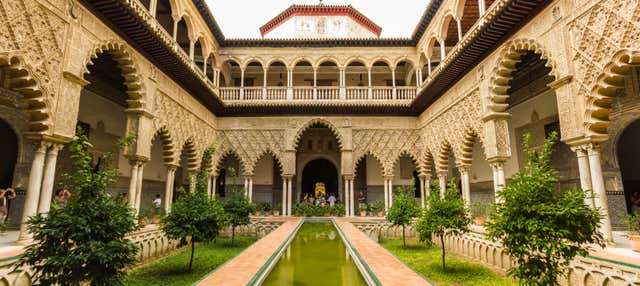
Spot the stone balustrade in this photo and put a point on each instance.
(320, 93)
(587, 271)
(152, 243)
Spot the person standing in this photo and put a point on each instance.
(332, 200)
(157, 202)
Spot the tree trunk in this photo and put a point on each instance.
(193, 248)
(404, 243)
(233, 234)
(442, 243)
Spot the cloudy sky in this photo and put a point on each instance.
(242, 18)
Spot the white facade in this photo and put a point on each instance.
(307, 27)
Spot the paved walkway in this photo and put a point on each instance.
(387, 268)
(243, 267)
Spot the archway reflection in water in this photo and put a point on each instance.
(316, 256)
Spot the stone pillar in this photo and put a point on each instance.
(351, 191)
(49, 176)
(369, 88)
(427, 186)
(343, 89)
(386, 195)
(390, 191)
(139, 186)
(422, 179)
(499, 182)
(459, 24)
(153, 5)
(442, 182)
(192, 45)
(393, 83)
(289, 194)
(284, 196)
(315, 83)
(466, 188)
(242, 84)
(599, 190)
(246, 186)
(347, 195)
(585, 176)
(33, 191)
(443, 52)
(168, 189)
(250, 189)
(133, 181)
(429, 66)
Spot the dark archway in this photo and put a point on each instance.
(8, 153)
(320, 170)
(628, 154)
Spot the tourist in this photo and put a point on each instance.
(157, 202)
(332, 200)
(61, 197)
(635, 202)
(306, 198)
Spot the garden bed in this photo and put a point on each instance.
(173, 270)
(427, 260)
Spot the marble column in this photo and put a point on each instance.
(246, 186)
(600, 192)
(347, 196)
(214, 186)
(585, 176)
(289, 194)
(168, 189)
(133, 181)
(466, 188)
(351, 191)
(386, 195)
(33, 191)
(284, 196)
(499, 181)
(49, 176)
(250, 189)
(139, 187)
(442, 182)
(390, 192)
(422, 199)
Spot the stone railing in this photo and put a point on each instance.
(151, 243)
(583, 271)
(320, 93)
(257, 227)
(591, 271)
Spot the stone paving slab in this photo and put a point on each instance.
(241, 269)
(387, 268)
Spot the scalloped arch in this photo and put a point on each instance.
(222, 156)
(317, 121)
(124, 59)
(266, 152)
(191, 152)
(24, 81)
(363, 156)
(500, 81)
(605, 91)
(168, 145)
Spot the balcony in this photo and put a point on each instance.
(320, 93)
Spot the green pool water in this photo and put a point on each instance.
(316, 256)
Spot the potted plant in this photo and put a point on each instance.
(363, 209)
(266, 208)
(258, 208)
(634, 231)
(276, 210)
(378, 207)
(479, 213)
(157, 214)
(143, 217)
(338, 210)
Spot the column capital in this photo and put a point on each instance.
(441, 174)
(171, 167)
(288, 177)
(388, 177)
(466, 168)
(348, 177)
(497, 160)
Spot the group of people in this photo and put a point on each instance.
(321, 200)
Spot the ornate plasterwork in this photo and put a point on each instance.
(249, 146)
(32, 37)
(502, 74)
(604, 42)
(386, 145)
(457, 126)
(182, 124)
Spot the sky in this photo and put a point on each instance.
(242, 18)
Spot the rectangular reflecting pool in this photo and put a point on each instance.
(316, 256)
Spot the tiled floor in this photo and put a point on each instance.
(241, 269)
(387, 268)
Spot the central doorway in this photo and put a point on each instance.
(320, 171)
